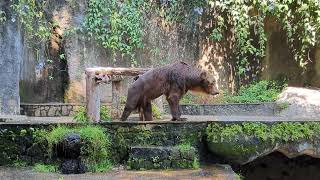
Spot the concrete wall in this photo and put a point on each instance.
(163, 45)
(11, 50)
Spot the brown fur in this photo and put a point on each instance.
(173, 81)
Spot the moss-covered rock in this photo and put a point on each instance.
(150, 157)
(244, 142)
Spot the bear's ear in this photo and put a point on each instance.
(203, 75)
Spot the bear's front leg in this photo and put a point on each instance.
(147, 112)
(173, 101)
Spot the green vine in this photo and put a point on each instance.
(3, 17)
(116, 24)
(299, 19)
(285, 131)
(31, 16)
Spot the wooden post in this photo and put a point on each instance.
(115, 106)
(92, 98)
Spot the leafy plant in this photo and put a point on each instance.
(156, 113)
(81, 114)
(262, 91)
(3, 17)
(19, 163)
(31, 16)
(45, 168)
(284, 131)
(94, 149)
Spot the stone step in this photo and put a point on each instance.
(163, 157)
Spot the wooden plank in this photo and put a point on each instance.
(116, 71)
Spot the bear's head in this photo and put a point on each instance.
(208, 84)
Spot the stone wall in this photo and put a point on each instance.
(68, 109)
(18, 141)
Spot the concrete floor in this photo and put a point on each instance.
(213, 172)
(166, 119)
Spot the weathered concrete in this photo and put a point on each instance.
(11, 52)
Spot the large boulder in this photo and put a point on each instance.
(69, 146)
(299, 102)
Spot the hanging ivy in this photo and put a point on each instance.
(31, 15)
(117, 25)
(299, 19)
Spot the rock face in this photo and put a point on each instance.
(73, 166)
(246, 150)
(301, 102)
(70, 146)
(69, 151)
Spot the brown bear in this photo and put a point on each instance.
(173, 81)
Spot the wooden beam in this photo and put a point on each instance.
(116, 71)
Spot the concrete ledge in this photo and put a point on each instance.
(68, 109)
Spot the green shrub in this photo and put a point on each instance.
(81, 114)
(262, 91)
(46, 168)
(95, 145)
(156, 113)
(284, 131)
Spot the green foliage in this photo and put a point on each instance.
(45, 168)
(3, 17)
(19, 163)
(184, 147)
(299, 19)
(81, 114)
(94, 149)
(284, 131)
(262, 91)
(282, 106)
(31, 16)
(239, 176)
(105, 113)
(156, 113)
(116, 24)
(188, 99)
